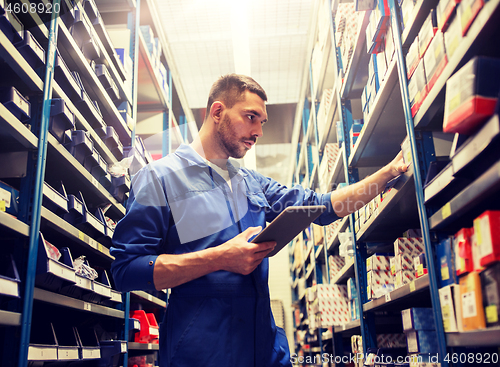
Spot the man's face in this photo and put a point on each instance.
(241, 125)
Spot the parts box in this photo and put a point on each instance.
(487, 231)
(472, 302)
(418, 318)
(471, 95)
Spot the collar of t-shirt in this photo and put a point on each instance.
(224, 173)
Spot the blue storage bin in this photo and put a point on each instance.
(66, 80)
(103, 75)
(81, 145)
(52, 274)
(31, 50)
(9, 277)
(91, 160)
(111, 351)
(90, 49)
(75, 209)
(105, 181)
(119, 187)
(67, 14)
(110, 138)
(89, 343)
(12, 27)
(67, 344)
(61, 119)
(80, 30)
(82, 286)
(81, 218)
(15, 103)
(55, 200)
(101, 169)
(91, 9)
(43, 344)
(10, 197)
(101, 289)
(90, 111)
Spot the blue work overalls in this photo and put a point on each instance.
(179, 204)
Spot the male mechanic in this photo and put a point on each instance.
(189, 220)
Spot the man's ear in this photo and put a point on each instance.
(216, 111)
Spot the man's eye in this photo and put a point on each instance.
(251, 117)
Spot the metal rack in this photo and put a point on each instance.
(389, 122)
(47, 160)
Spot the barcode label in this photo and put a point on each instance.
(469, 308)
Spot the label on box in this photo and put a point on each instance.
(491, 314)
(5, 199)
(482, 230)
(469, 308)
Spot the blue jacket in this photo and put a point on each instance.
(179, 204)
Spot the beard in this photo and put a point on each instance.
(229, 142)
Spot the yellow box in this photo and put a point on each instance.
(472, 302)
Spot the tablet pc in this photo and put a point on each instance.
(288, 224)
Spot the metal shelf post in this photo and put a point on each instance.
(37, 190)
(424, 223)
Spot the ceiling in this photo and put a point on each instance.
(266, 39)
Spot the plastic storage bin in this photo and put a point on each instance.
(9, 277)
(31, 50)
(81, 145)
(111, 351)
(88, 342)
(81, 218)
(67, 343)
(55, 200)
(67, 80)
(52, 274)
(15, 103)
(61, 119)
(10, 198)
(91, 160)
(120, 186)
(43, 344)
(76, 209)
(12, 27)
(80, 30)
(149, 332)
(90, 110)
(82, 286)
(111, 139)
(101, 169)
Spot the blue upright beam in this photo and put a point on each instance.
(135, 20)
(38, 189)
(424, 223)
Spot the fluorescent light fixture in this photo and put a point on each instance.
(240, 36)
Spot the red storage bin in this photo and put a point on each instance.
(149, 332)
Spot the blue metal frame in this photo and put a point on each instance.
(418, 183)
(38, 188)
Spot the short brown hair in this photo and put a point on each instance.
(229, 89)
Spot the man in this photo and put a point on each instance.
(189, 220)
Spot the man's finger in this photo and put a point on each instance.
(265, 246)
(250, 232)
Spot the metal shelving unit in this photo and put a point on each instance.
(404, 207)
(48, 160)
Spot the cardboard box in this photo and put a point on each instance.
(412, 58)
(453, 37)
(403, 277)
(467, 11)
(336, 263)
(417, 88)
(379, 282)
(351, 289)
(427, 32)
(412, 245)
(418, 318)
(490, 283)
(471, 95)
(448, 307)
(446, 263)
(472, 302)
(462, 245)
(378, 262)
(487, 231)
(9, 199)
(389, 45)
(476, 259)
(422, 341)
(407, 9)
(420, 265)
(391, 340)
(435, 59)
(403, 261)
(444, 12)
